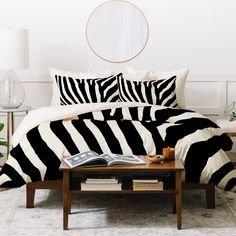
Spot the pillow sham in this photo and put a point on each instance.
(181, 76)
(157, 92)
(76, 91)
(80, 75)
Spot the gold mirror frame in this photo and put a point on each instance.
(102, 55)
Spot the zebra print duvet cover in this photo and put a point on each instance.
(141, 130)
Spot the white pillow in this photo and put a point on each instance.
(79, 75)
(181, 75)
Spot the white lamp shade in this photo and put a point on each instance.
(13, 49)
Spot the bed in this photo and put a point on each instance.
(119, 115)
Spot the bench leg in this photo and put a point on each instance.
(173, 204)
(209, 191)
(32, 186)
(30, 193)
(210, 196)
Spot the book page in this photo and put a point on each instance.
(119, 159)
(107, 157)
(80, 159)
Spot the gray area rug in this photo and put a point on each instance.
(114, 215)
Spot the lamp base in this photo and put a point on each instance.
(10, 106)
(12, 92)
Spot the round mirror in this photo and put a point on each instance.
(117, 31)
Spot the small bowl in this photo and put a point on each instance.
(156, 158)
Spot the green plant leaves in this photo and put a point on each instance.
(1, 126)
(2, 143)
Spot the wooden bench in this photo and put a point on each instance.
(57, 184)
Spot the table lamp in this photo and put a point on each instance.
(13, 55)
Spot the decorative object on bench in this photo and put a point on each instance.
(156, 158)
(168, 154)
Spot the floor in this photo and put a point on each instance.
(111, 215)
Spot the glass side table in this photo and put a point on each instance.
(10, 120)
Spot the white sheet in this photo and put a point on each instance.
(52, 113)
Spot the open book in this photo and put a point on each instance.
(91, 158)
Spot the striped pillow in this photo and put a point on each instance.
(181, 76)
(157, 92)
(75, 91)
(55, 99)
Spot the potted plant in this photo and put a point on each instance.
(2, 143)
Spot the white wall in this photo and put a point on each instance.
(198, 34)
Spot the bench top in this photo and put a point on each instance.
(165, 166)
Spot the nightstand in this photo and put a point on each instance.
(228, 126)
(10, 112)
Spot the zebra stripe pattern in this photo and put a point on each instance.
(157, 92)
(75, 91)
(199, 143)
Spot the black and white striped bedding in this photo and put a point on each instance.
(140, 130)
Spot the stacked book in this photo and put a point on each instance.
(101, 184)
(147, 184)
